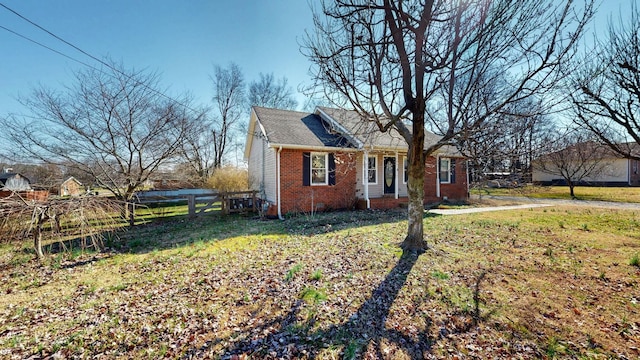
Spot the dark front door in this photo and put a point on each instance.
(389, 175)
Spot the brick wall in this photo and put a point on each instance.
(458, 190)
(298, 198)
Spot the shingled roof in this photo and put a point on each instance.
(286, 127)
(331, 127)
(368, 134)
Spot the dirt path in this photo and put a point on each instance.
(587, 203)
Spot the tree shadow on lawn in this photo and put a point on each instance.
(364, 331)
(183, 231)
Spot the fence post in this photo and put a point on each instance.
(225, 203)
(191, 200)
(132, 213)
(253, 202)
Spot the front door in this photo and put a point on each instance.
(389, 175)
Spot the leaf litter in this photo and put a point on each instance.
(252, 290)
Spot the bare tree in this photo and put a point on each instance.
(197, 151)
(89, 218)
(229, 102)
(410, 64)
(605, 87)
(507, 142)
(112, 124)
(271, 92)
(575, 158)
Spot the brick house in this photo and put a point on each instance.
(330, 159)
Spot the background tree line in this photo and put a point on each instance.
(115, 128)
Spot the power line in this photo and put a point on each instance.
(54, 35)
(85, 53)
(47, 47)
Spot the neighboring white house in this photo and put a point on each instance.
(14, 182)
(616, 171)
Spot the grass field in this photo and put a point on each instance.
(615, 194)
(560, 282)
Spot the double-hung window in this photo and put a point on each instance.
(372, 170)
(406, 170)
(318, 168)
(319, 173)
(445, 170)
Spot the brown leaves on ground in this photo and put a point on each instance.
(335, 285)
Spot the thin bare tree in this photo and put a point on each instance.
(112, 124)
(270, 92)
(229, 107)
(605, 86)
(576, 158)
(407, 65)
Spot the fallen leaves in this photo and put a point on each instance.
(281, 292)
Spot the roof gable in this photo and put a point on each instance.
(295, 128)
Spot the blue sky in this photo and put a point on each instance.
(179, 39)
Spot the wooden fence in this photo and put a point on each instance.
(228, 202)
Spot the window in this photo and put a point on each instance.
(372, 170)
(319, 169)
(445, 170)
(406, 170)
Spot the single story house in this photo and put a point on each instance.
(14, 182)
(615, 169)
(331, 159)
(71, 187)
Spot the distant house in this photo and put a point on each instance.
(14, 182)
(331, 159)
(71, 187)
(617, 170)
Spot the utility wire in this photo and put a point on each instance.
(47, 47)
(85, 53)
(54, 35)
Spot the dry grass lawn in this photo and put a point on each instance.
(540, 283)
(615, 194)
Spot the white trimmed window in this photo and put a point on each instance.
(372, 170)
(319, 173)
(406, 170)
(445, 170)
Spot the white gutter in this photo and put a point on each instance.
(365, 177)
(313, 148)
(438, 176)
(278, 181)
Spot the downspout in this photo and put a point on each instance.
(438, 176)
(365, 178)
(263, 191)
(278, 181)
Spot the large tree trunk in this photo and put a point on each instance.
(415, 188)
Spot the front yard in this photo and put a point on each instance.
(595, 193)
(546, 282)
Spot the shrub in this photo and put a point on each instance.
(229, 178)
(635, 260)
